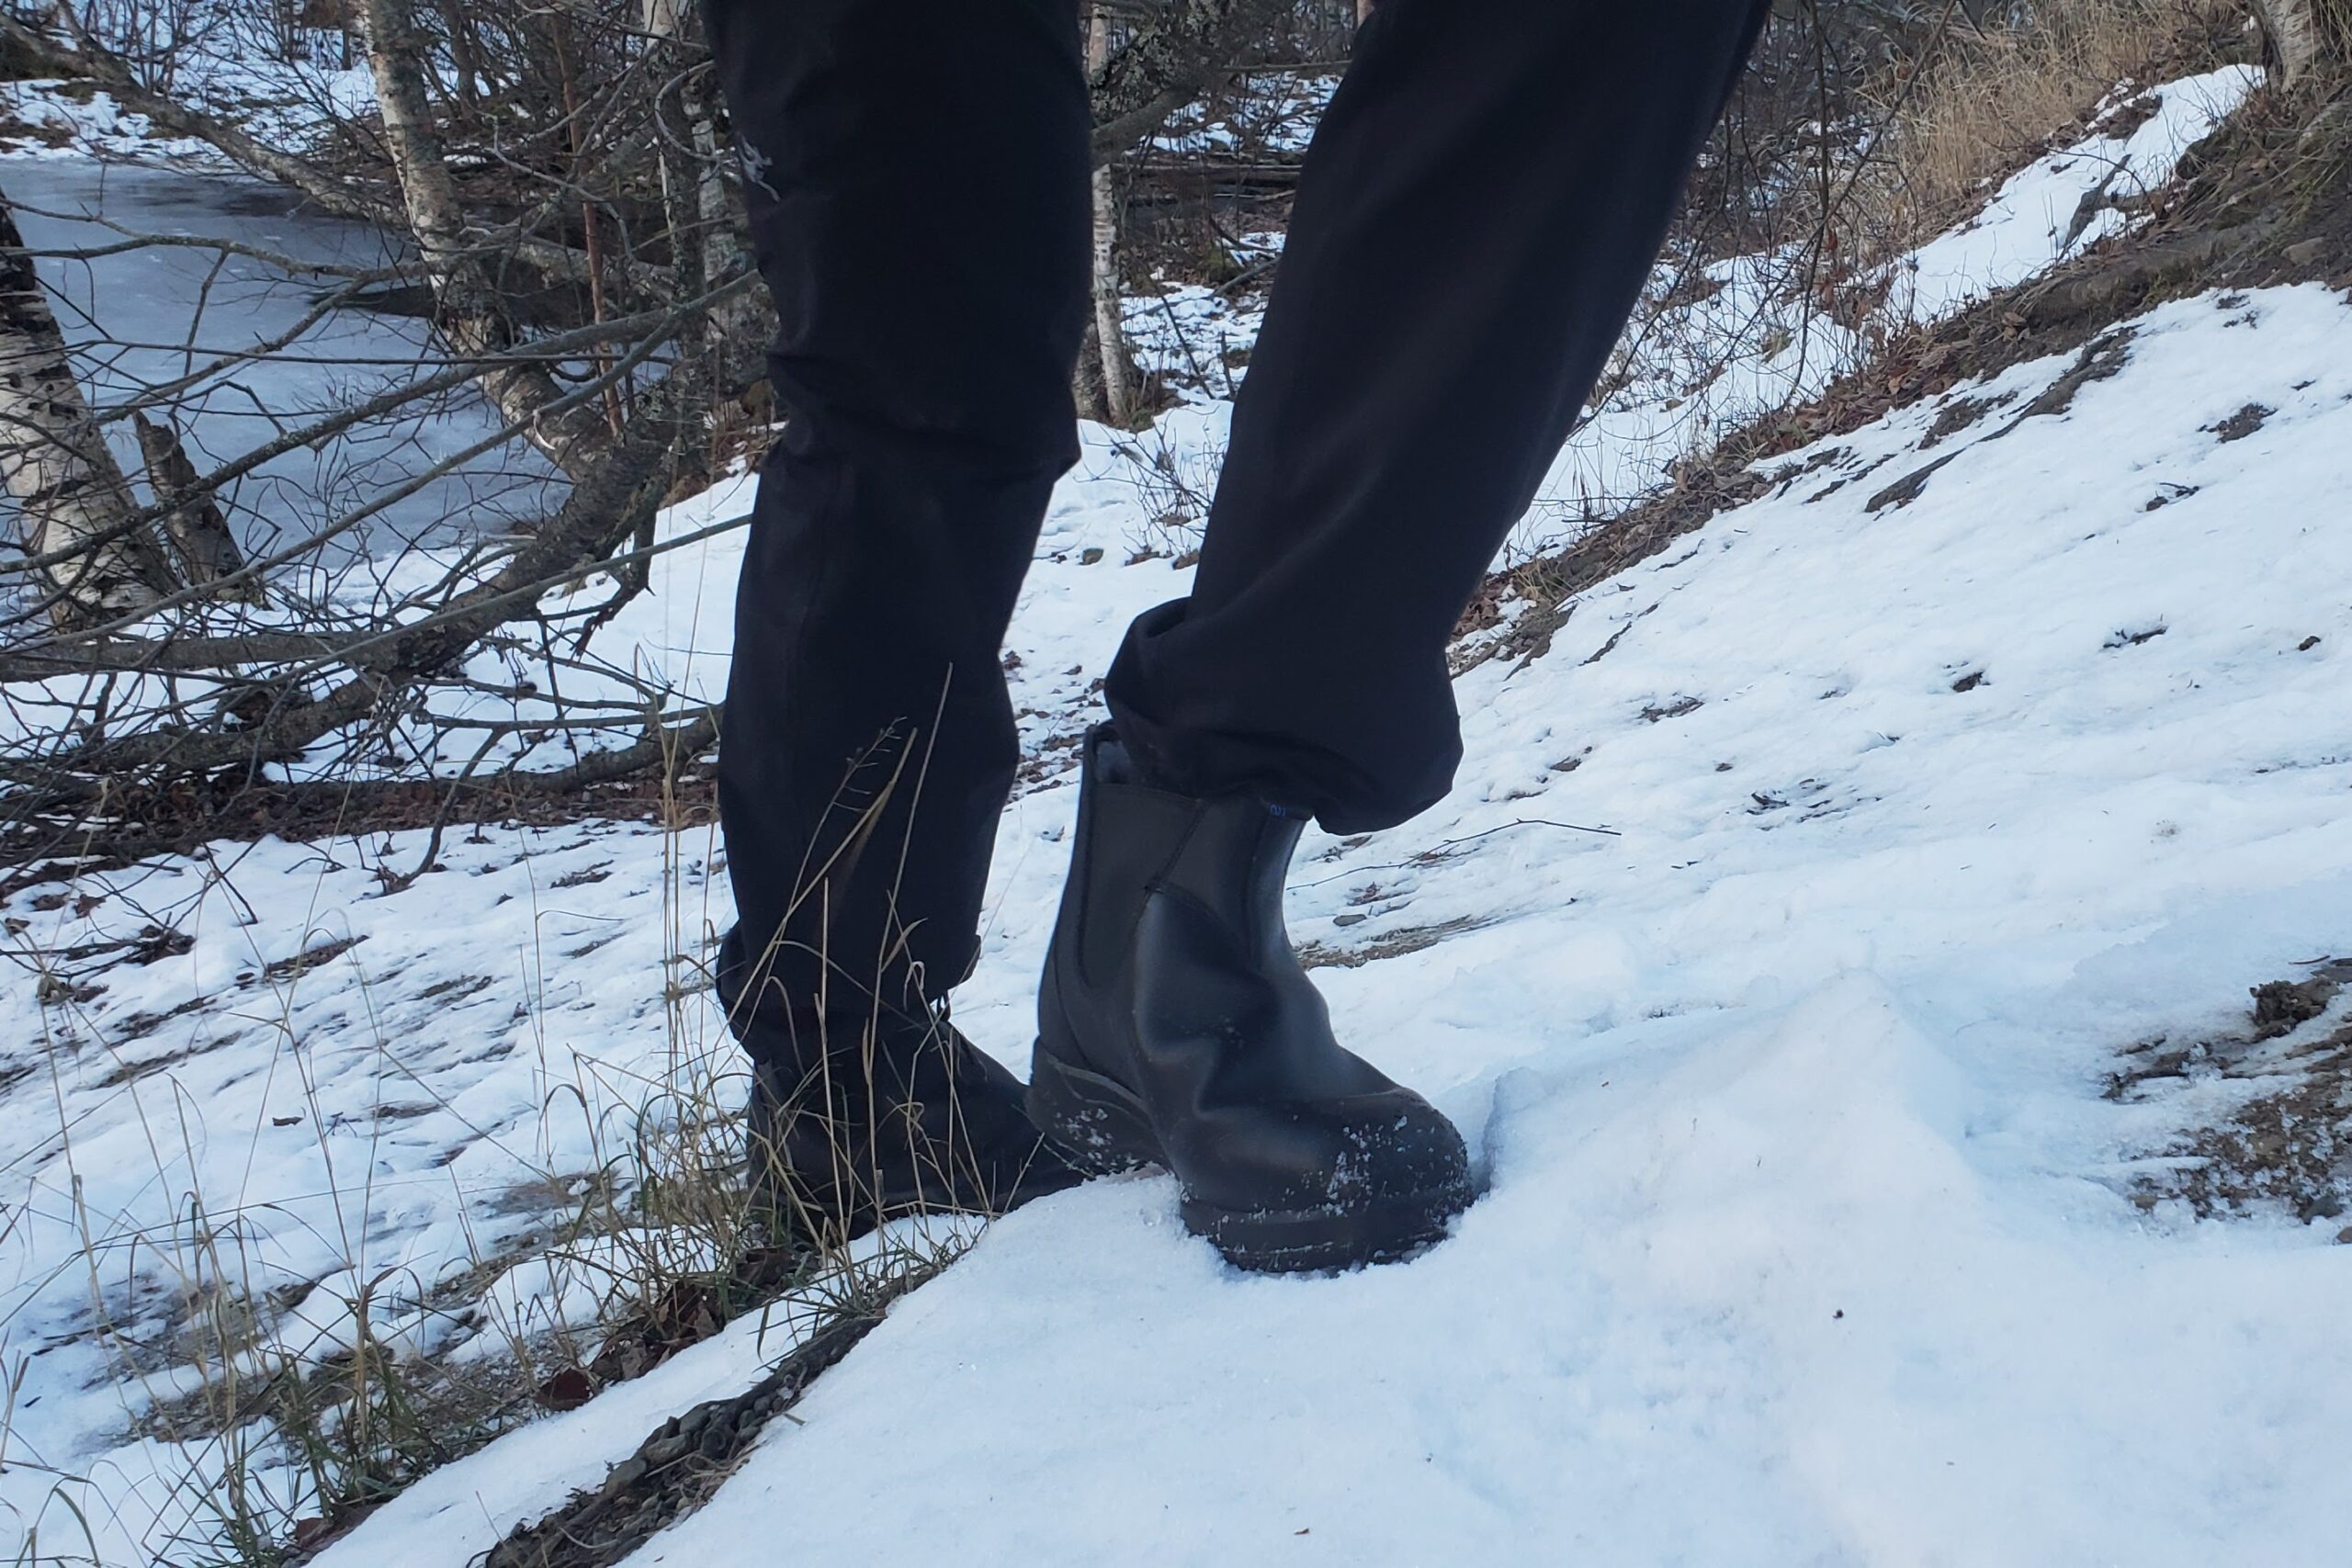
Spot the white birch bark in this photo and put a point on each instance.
(716, 239)
(2307, 34)
(196, 525)
(54, 460)
(469, 311)
(1119, 368)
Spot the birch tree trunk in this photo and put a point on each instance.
(724, 255)
(2308, 34)
(706, 227)
(1109, 338)
(55, 461)
(467, 307)
(199, 532)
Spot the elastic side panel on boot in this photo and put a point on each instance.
(1234, 862)
(1126, 848)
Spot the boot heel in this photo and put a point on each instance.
(1094, 1123)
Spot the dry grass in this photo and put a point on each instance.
(293, 1426)
(1988, 100)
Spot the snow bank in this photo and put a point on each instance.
(1808, 1237)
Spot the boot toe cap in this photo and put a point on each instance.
(1336, 1185)
(1330, 1155)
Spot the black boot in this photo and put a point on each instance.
(896, 1115)
(1176, 1028)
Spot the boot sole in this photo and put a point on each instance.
(1101, 1127)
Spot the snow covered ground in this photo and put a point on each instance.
(230, 63)
(1807, 1240)
(1810, 1237)
(1774, 949)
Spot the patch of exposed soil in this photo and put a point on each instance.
(2241, 425)
(688, 1312)
(303, 963)
(182, 819)
(1958, 415)
(2286, 1143)
(1654, 712)
(1699, 491)
(683, 1463)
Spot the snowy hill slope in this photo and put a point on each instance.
(1812, 1237)
(1778, 947)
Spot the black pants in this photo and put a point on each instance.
(1481, 203)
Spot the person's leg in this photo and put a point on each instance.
(915, 176)
(1482, 198)
(1478, 210)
